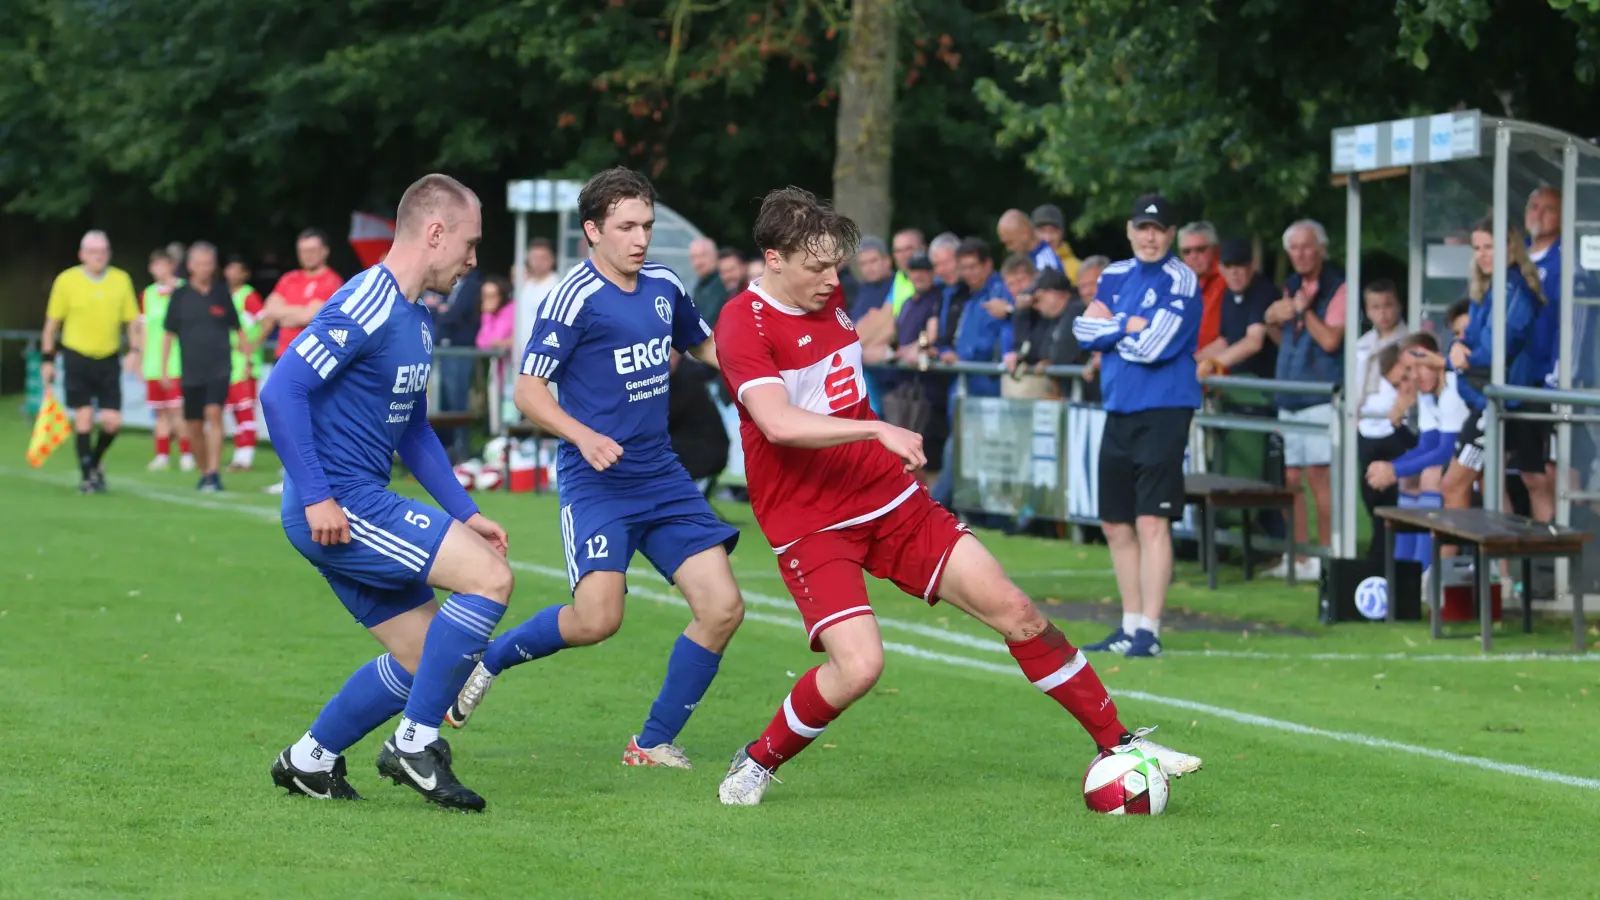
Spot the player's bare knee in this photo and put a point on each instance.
(495, 581)
(859, 670)
(722, 614)
(593, 624)
(1016, 616)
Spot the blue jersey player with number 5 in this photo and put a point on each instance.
(350, 395)
(605, 334)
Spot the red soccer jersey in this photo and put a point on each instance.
(299, 289)
(816, 357)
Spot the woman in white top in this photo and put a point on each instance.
(1381, 301)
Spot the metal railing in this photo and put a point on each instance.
(1204, 420)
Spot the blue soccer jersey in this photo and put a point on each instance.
(349, 393)
(608, 351)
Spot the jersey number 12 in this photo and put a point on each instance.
(597, 547)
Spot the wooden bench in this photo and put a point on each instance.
(1493, 535)
(1213, 492)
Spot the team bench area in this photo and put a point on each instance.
(1210, 493)
(1492, 535)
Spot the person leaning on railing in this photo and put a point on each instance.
(1041, 335)
(915, 399)
(1526, 443)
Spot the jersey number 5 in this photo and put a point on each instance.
(417, 519)
(597, 547)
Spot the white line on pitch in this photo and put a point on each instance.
(1221, 712)
(931, 632)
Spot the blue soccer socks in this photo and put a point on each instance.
(373, 695)
(456, 641)
(534, 639)
(1405, 543)
(690, 670)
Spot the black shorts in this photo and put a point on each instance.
(196, 397)
(1141, 464)
(1528, 443)
(90, 381)
(1469, 443)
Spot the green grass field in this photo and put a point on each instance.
(157, 649)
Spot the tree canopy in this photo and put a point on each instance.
(278, 112)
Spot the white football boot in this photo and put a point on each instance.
(1173, 763)
(746, 782)
(471, 695)
(669, 755)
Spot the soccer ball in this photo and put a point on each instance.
(1125, 783)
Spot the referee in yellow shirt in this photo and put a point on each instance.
(91, 306)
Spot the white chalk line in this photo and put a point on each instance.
(932, 632)
(1221, 712)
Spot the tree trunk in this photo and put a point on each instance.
(864, 149)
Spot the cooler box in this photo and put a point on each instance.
(1460, 577)
(528, 472)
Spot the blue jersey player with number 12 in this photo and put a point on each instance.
(605, 334)
(350, 394)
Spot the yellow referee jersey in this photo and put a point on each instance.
(92, 311)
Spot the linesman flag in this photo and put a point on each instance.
(50, 430)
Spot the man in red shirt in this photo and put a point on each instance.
(832, 490)
(1199, 246)
(299, 294)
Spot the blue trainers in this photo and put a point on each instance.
(1144, 643)
(1116, 642)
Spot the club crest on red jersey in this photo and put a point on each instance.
(844, 319)
(841, 384)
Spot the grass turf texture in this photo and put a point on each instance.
(159, 648)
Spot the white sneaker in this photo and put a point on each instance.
(471, 695)
(1173, 763)
(669, 755)
(1281, 570)
(273, 488)
(746, 782)
(186, 463)
(1308, 569)
(161, 463)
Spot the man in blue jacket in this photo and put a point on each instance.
(1145, 323)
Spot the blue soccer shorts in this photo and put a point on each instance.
(383, 571)
(673, 523)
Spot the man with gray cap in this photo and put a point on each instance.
(1051, 226)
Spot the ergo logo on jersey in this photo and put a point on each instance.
(413, 378)
(639, 357)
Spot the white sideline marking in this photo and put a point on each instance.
(1232, 715)
(932, 632)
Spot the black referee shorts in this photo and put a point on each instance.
(1141, 464)
(196, 397)
(90, 380)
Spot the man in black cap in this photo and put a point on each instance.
(1145, 324)
(1250, 348)
(1051, 226)
(1042, 336)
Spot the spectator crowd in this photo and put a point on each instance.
(198, 339)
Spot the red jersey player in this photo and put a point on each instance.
(832, 491)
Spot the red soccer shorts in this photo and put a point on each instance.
(909, 546)
(242, 394)
(158, 396)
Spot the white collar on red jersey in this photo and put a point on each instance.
(755, 286)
